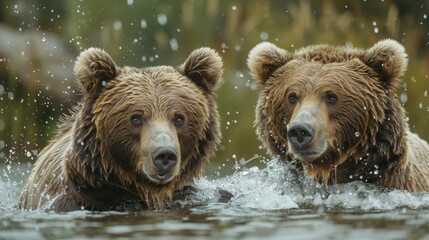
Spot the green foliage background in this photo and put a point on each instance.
(39, 41)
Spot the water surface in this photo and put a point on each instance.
(268, 203)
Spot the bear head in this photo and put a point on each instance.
(148, 130)
(325, 106)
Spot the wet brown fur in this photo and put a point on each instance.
(95, 162)
(385, 152)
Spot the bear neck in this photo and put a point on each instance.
(102, 199)
(85, 166)
(384, 148)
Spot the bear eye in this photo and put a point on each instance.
(136, 120)
(179, 120)
(331, 98)
(292, 98)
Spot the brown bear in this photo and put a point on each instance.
(137, 134)
(334, 112)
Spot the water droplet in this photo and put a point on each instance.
(10, 95)
(263, 36)
(404, 97)
(117, 25)
(162, 19)
(375, 29)
(237, 166)
(143, 24)
(173, 44)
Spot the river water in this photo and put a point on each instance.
(270, 202)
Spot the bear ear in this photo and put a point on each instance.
(93, 69)
(204, 68)
(264, 59)
(388, 59)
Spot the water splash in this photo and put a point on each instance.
(275, 186)
(280, 186)
(11, 182)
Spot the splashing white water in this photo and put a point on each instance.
(11, 182)
(276, 186)
(279, 186)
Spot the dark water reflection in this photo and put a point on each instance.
(216, 222)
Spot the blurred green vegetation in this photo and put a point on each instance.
(39, 41)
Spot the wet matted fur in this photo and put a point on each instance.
(102, 153)
(343, 101)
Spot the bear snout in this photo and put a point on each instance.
(305, 142)
(164, 158)
(300, 134)
(306, 132)
(161, 152)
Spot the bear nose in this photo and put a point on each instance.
(164, 158)
(300, 134)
